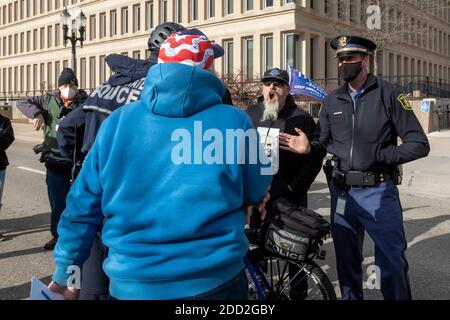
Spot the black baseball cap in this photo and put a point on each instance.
(276, 74)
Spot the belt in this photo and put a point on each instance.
(359, 178)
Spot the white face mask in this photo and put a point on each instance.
(68, 93)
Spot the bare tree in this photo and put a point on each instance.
(244, 90)
(402, 21)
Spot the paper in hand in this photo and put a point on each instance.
(40, 291)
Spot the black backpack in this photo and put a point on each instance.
(294, 231)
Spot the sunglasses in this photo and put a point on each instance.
(276, 84)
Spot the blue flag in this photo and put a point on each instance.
(302, 85)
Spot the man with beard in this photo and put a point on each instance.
(360, 123)
(276, 109)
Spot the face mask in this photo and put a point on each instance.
(349, 71)
(68, 93)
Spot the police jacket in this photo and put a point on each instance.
(6, 139)
(296, 172)
(364, 137)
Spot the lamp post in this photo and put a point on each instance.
(78, 23)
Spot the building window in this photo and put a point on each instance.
(290, 50)
(229, 8)
(22, 42)
(42, 38)
(136, 17)
(102, 67)
(178, 11)
(57, 69)
(268, 3)
(49, 76)
(82, 73)
(92, 27)
(163, 11)
(16, 76)
(28, 41)
(148, 15)
(49, 5)
(57, 4)
(65, 63)
(124, 15)
(92, 69)
(248, 58)
(34, 6)
(340, 8)
(267, 53)
(28, 78)
(57, 35)
(49, 36)
(194, 10)
(113, 23)
(21, 84)
(10, 45)
(16, 43)
(22, 9)
(16, 10)
(10, 13)
(249, 5)
(137, 54)
(42, 83)
(35, 39)
(4, 46)
(211, 8)
(35, 77)
(228, 67)
(102, 18)
(41, 7)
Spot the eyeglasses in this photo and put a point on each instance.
(275, 83)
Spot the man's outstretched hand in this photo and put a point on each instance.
(68, 293)
(297, 144)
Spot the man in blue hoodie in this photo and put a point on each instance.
(174, 229)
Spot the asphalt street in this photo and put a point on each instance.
(25, 220)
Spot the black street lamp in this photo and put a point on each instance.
(80, 23)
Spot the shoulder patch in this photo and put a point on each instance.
(404, 102)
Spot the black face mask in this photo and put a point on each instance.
(349, 71)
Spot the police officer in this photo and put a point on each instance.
(360, 123)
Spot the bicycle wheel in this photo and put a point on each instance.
(305, 281)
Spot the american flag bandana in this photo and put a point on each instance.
(191, 50)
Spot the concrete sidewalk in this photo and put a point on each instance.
(23, 130)
(430, 176)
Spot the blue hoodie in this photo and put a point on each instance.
(173, 230)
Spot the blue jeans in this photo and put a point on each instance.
(58, 186)
(2, 183)
(234, 289)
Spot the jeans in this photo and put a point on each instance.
(234, 289)
(2, 183)
(58, 186)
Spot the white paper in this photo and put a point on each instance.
(270, 140)
(40, 291)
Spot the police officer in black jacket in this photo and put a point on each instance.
(360, 123)
(276, 109)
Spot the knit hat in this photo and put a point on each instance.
(190, 47)
(67, 76)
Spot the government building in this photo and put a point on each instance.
(256, 35)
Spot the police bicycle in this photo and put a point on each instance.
(273, 271)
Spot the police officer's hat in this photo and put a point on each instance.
(347, 45)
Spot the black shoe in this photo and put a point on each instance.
(3, 238)
(51, 244)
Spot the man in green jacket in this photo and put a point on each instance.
(47, 111)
